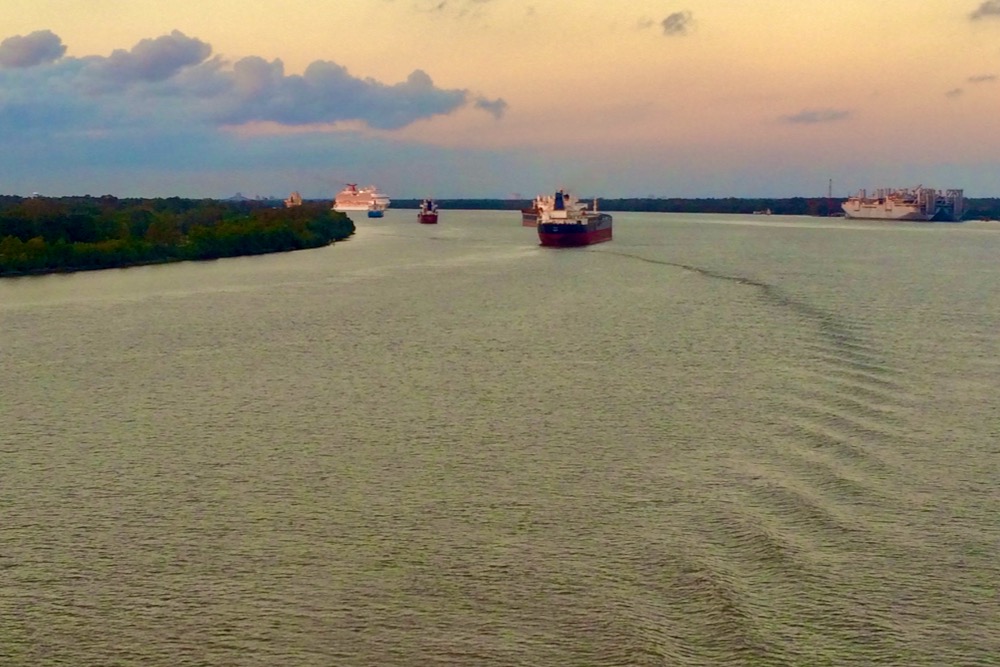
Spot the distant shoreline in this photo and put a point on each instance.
(975, 208)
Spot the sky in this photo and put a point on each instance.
(498, 98)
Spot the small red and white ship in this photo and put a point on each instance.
(428, 213)
(567, 223)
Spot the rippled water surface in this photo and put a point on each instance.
(716, 440)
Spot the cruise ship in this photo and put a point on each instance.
(353, 198)
(920, 204)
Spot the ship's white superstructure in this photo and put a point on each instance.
(568, 208)
(542, 206)
(919, 203)
(353, 198)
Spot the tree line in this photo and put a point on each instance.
(44, 234)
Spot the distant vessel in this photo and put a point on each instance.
(294, 199)
(376, 210)
(353, 198)
(568, 223)
(919, 203)
(428, 213)
(763, 211)
(529, 216)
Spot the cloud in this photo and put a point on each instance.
(435, 7)
(677, 24)
(986, 9)
(982, 78)
(954, 92)
(495, 107)
(460, 8)
(169, 115)
(814, 116)
(41, 46)
(257, 90)
(173, 80)
(153, 59)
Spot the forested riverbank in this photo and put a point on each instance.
(47, 235)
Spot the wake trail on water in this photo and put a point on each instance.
(813, 501)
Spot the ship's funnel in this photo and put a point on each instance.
(559, 205)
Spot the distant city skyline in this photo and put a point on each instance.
(498, 98)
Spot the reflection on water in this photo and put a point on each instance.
(712, 441)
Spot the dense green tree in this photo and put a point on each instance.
(77, 233)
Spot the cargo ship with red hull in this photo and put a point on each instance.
(428, 213)
(568, 224)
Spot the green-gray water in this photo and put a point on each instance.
(716, 440)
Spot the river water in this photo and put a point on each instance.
(715, 440)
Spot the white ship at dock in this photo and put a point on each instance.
(919, 204)
(353, 198)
